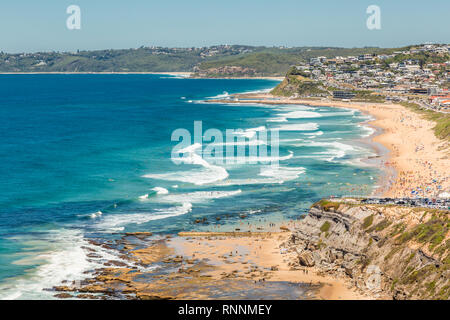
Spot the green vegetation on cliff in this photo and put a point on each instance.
(295, 83)
(410, 246)
(326, 205)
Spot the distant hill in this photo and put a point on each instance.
(277, 61)
(215, 61)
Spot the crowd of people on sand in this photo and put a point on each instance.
(424, 180)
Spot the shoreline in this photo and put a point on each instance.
(382, 155)
(187, 74)
(409, 139)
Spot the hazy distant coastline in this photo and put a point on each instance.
(227, 60)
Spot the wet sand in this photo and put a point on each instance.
(206, 265)
(259, 258)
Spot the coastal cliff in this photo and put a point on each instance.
(390, 252)
(298, 84)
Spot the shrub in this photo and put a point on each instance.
(325, 226)
(368, 221)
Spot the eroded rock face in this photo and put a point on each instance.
(397, 253)
(306, 259)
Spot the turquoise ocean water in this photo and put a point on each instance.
(88, 156)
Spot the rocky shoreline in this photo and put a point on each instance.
(388, 252)
(153, 268)
(342, 249)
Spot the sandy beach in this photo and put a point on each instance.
(258, 257)
(210, 265)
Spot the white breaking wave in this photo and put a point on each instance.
(368, 131)
(258, 91)
(342, 113)
(286, 141)
(207, 174)
(66, 259)
(242, 143)
(311, 126)
(278, 119)
(160, 190)
(190, 149)
(118, 221)
(224, 95)
(318, 133)
(250, 133)
(176, 76)
(200, 196)
(144, 197)
(335, 149)
(96, 214)
(274, 174)
(282, 173)
(293, 108)
(254, 159)
(298, 114)
(301, 114)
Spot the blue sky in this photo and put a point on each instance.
(31, 25)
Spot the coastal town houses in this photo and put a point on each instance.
(420, 72)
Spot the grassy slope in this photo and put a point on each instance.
(297, 84)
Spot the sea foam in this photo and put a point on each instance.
(113, 222)
(207, 174)
(160, 190)
(200, 196)
(270, 174)
(64, 258)
(311, 126)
